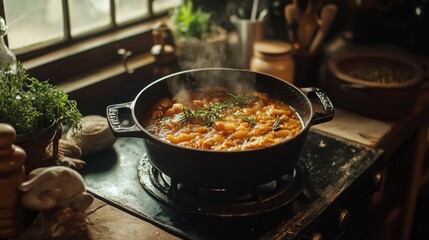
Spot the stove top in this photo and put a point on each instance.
(221, 202)
(327, 167)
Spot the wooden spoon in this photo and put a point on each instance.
(307, 25)
(329, 11)
(291, 12)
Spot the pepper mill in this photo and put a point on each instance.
(163, 50)
(12, 174)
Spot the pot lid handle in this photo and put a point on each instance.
(328, 108)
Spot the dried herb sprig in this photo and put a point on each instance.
(209, 115)
(250, 120)
(240, 100)
(206, 115)
(276, 125)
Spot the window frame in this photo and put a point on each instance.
(86, 54)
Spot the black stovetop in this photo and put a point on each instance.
(331, 166)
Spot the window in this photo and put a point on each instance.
(64, 39)
(88, 16)
(25, 20)
(129, 10)
(35, 24)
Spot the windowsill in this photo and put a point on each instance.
(108, 72)
(94, 74)
(87, 45)
(93, 61)
(110, 84)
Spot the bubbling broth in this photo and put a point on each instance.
(217, 119)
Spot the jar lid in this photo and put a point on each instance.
(163, 53)
(272, 47)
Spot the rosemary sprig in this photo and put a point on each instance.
(250, 120)
(276, 125)
(211, 114)
(240, 100)
(187, 115)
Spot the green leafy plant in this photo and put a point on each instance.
(30, 105)
(191, 22)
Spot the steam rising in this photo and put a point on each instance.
(202, 55)
(237, 81)
(211, 54)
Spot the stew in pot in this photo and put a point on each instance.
(217, 119)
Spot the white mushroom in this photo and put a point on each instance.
(53, 187)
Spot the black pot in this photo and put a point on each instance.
(220, 169)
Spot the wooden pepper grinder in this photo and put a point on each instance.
(163, 50)
(12, 174)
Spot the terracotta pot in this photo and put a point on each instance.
(354, 81)
(35, 146)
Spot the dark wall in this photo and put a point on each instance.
(400, 22)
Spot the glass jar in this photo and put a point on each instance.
(273, 57)
(6, 55)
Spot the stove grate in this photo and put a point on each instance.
(221, 202)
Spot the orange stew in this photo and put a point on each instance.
(217, 119)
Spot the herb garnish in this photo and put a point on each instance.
(209, 115)
(276, 125)
(240, 100)
(250, 120)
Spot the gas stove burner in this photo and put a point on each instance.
(221, 202)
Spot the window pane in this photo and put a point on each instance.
(33, 23)
(128, 10)
(164, 5)
(88, 15)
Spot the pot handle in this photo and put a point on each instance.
(118, 129)
(328, 114)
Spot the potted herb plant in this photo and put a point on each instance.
(37, 110)
(200, 41)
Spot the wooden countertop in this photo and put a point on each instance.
(107, 222)
(356, 128)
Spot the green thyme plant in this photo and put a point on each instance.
(191, 22)
(30, 105)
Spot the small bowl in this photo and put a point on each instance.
(379, 85)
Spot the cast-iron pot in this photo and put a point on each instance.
(220, 169)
